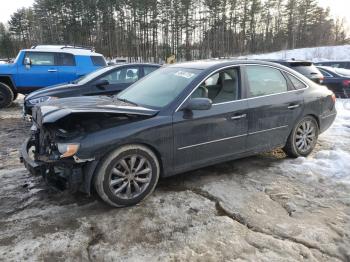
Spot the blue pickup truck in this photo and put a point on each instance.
(43, 66)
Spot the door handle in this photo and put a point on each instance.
(293, 106)
(52, 70)
(239, 117)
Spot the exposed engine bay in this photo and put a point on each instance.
(46, 137)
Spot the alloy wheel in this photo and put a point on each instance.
(306, 136)
(130, 177)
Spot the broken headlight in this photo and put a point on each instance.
(68, 149)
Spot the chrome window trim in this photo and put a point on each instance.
(231, 137)
(239, 65)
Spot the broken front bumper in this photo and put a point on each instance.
(60, 174)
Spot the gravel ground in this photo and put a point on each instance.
(262, 208)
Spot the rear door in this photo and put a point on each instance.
(66, 65)
(274, 107)
(118, 80)
(204, 136)
(42, 72)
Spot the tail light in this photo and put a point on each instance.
(321, 79)
(346, 83)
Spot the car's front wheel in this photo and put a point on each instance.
(303, 138)
(127, 175)
(6, 95)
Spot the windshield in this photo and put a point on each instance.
(17, 57)
(87, 78)
(160, 88)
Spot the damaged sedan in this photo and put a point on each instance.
(179, 118)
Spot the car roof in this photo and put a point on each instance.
(63, 49)
(207, 64)
(333, 61)
(133, 64)
(328, 68)
(334, 71)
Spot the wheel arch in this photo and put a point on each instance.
(88, 186)
(8, 81)
(315, 117)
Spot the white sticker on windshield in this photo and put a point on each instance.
(184, 74)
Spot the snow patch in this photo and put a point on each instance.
(332, 163)
(315, 54)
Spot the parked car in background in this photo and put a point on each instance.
(45, 65)
(337, 80)
(105, 81)
(181, 117)
(305, 68)
(337, 64)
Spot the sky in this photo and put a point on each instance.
(338, 7)
(7, 7)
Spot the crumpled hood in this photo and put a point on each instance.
(50, 112)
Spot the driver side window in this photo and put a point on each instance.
(122, 76)
(220, 87)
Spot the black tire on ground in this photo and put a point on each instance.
(303, 138)
(127, 175)
(6, 95)
(15, 95)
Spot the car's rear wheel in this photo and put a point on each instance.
(6, 95)
(303, 138)
(127, 175)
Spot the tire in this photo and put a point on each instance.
(303, 138)
(15, 95)
(6, 95)
(113, 180)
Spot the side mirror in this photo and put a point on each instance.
(27, 62)
(101, 83)
(198, 104)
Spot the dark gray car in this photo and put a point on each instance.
(179, 118)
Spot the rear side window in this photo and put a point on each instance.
(64, 59)
(41, 58)
(98, 61)
(265, 81)
(296, 82)
(149, 69)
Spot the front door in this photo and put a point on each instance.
(41, 73)
(204, 136)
